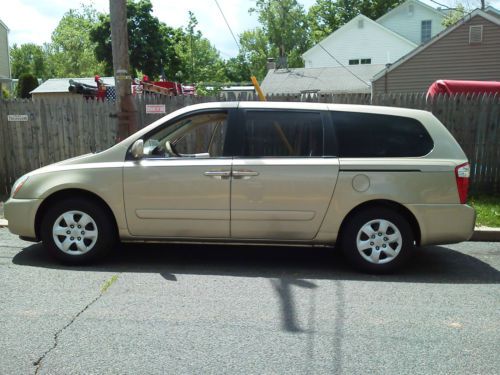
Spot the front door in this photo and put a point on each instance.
(282, 181)
(181, 187)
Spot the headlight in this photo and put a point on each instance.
(18, 185)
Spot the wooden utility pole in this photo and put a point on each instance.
(126, 107)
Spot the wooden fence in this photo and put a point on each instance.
(52, 130)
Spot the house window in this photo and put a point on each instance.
(426, 30)
(366, 61)
(475, 34)
(354, 62)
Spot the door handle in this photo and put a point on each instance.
(218, 174)
(244, 173)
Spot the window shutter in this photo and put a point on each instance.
(475, 34)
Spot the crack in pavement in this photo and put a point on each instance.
(38, 362)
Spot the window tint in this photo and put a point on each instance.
(283, 134)
(198, 135)
(374, 135)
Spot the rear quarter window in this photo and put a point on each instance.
(375, 135)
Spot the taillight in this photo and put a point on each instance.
(462, 174)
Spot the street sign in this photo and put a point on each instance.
(155, 108)
(17, 117)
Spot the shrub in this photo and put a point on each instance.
(27, 82)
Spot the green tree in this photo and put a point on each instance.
(200, 60)
(72, 50)
(285, 25)
(27, 82)
(255, 50)
(326, 16)
(237, 70)
(455, 15)
(151, 42)
(28, 58)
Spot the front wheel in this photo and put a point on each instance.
(377, 240)
(77, 231)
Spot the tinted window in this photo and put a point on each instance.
(283, 134)
(373, 135)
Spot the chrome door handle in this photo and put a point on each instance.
(218, 174)
(244, 173)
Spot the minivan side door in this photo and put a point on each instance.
(284, 174)
(181, 187)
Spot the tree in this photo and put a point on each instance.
(237, 69)
(28, 58)
(72, 50)
(27, 82)
(455, 15)
(285, 26)
(326, 16)
(151, 42)
(200, 60)
(255, 50)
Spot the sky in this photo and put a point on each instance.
(40, 17)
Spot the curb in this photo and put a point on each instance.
(486, 234)
(3, 223)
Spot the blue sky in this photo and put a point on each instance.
(40, 17)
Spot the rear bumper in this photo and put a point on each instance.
(444, 223)
(20, 213)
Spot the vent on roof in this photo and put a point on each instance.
(475, 34)
(361, 23)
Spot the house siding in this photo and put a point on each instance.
(4, 53)
(351, 42)
(451, 57)
(409, 25)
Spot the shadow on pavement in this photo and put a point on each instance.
(433, 264)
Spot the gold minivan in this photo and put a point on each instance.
(377, 181)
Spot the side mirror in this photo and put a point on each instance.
(137, 149)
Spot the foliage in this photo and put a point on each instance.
(487, 209)
(151, 42)
(28, 58)
(5, 93)
(285, 27)
(237, 70)
(71, 50)
(255, 49)
(326, 16)
(454, 16)
(27, 82)
(200, 60)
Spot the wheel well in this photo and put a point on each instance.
(402, 210)
(71, 193)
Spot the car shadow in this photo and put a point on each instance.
(432, 264)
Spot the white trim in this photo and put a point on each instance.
(355, 19)
(423, 5)
(464, 20)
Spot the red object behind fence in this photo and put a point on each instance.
(449, 87)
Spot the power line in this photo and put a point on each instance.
(345, 67)
(227, 23)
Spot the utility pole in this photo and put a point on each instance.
(125, 104)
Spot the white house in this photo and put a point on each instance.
(414, 20)
(360, 41)
(5, 79)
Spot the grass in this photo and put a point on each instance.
(487, 209)
(108, 283)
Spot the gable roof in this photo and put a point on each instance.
(53, 85)
(340, 30)
(468, 17)
(415, 2)
(332, 79)
(492, 10)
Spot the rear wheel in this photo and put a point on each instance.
(377, 240)
(77, 231)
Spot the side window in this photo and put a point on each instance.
(200, 135)
(283, 134)
(374, 135)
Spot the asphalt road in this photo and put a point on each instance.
(246, 310)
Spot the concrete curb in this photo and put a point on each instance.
(486, 234)
(3, 223)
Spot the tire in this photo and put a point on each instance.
(377, 240)
(77, 231)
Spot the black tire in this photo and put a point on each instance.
(385, 253)
(88, 243)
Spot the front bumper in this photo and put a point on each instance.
(444, 223)
(20, 213)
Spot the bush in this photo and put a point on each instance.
(5, 94)
(27, 82)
